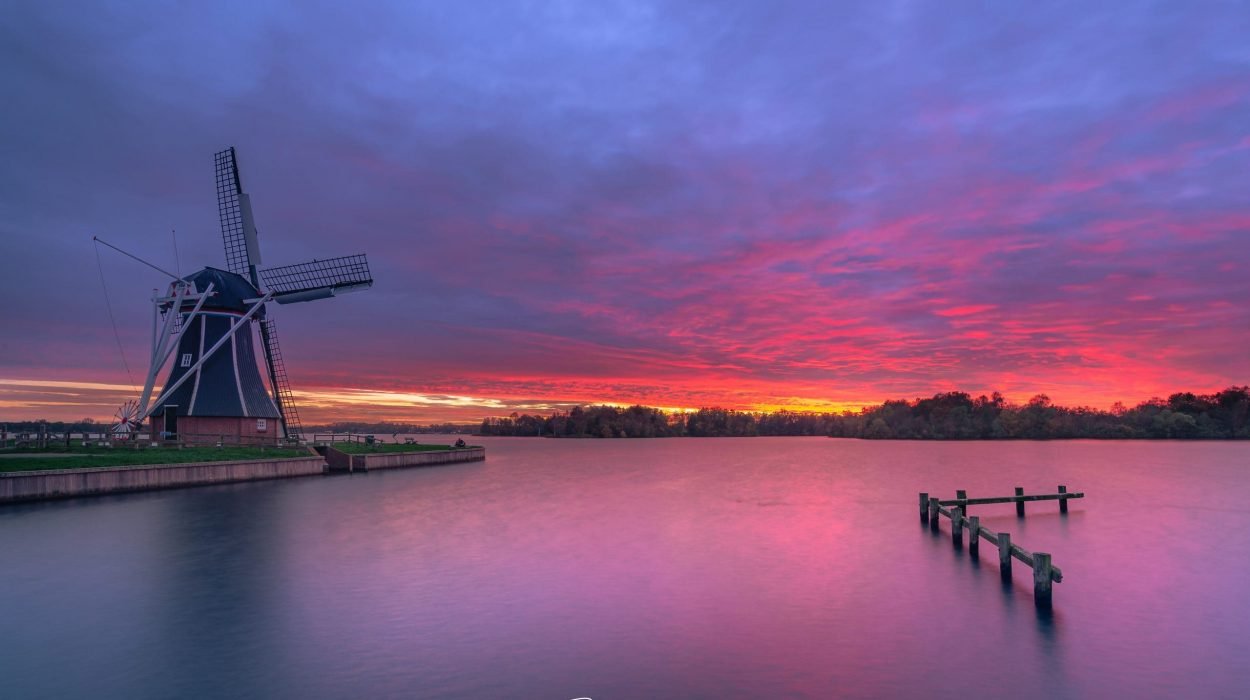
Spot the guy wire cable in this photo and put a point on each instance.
(109, 306)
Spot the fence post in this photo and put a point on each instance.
(963, 496)
(974, 536)
(1041, 579)
(1063, 502)
(924, 507)
(1019, 504)
(933, 514)
(1004, 555)
(957, 527)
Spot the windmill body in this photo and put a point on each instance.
(213, 389)
(224, 395)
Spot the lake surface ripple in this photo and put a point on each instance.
(682, 568)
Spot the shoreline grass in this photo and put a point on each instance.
(102, 457)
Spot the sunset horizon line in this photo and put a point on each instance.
(27, 400)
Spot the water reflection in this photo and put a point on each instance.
(660, 568)
(218, 564)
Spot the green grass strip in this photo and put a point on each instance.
(79, 458)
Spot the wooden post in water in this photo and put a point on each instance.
(1019, 504)
(974, 536)
(924, 507)
(957, 527)
(933, 514)
(1041, 579)
(1063, 502)
(1004, 555)
(963, 496)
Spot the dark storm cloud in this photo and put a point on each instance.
(773, 200)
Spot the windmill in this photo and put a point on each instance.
(126, 421)
(206, 321)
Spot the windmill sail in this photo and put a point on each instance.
(318, 279)
(238, 230)
(278, 380)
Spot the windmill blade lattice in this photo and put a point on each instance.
(317, 279)
(278, 380)
(235, 211)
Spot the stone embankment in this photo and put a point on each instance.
(66, 483)
(69, 483)
(346, 462)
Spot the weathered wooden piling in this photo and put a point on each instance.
(924, 507)
(1045, 574)
(1041, 579)
(1063, 502)
(1004, 555)
(1019, 504)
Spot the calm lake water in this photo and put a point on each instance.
(682, 568)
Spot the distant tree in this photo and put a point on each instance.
(951, 415)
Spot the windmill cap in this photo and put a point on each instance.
(230, 291)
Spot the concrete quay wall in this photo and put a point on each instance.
(345, 462)
(66, 483)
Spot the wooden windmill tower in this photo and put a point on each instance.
(214, 387)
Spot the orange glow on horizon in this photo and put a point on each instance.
(28, 399)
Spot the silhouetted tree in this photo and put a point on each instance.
(953, 415)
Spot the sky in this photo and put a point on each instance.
(752, 205)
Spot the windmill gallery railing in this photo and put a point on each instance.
(228, 440)
(54, 440)
(357, 438)
(1044, 572)
(48, 439)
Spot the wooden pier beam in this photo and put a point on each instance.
(924, 507)
(1012, 499)
(933, 513)
(957, 527)
(1063, 502)
(974, 536)
(1019, 504)
(1041, 579)
(962, 497)
(1004, 555)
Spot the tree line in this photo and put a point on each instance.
(952, 415)
(85, 425)
(388, 428)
